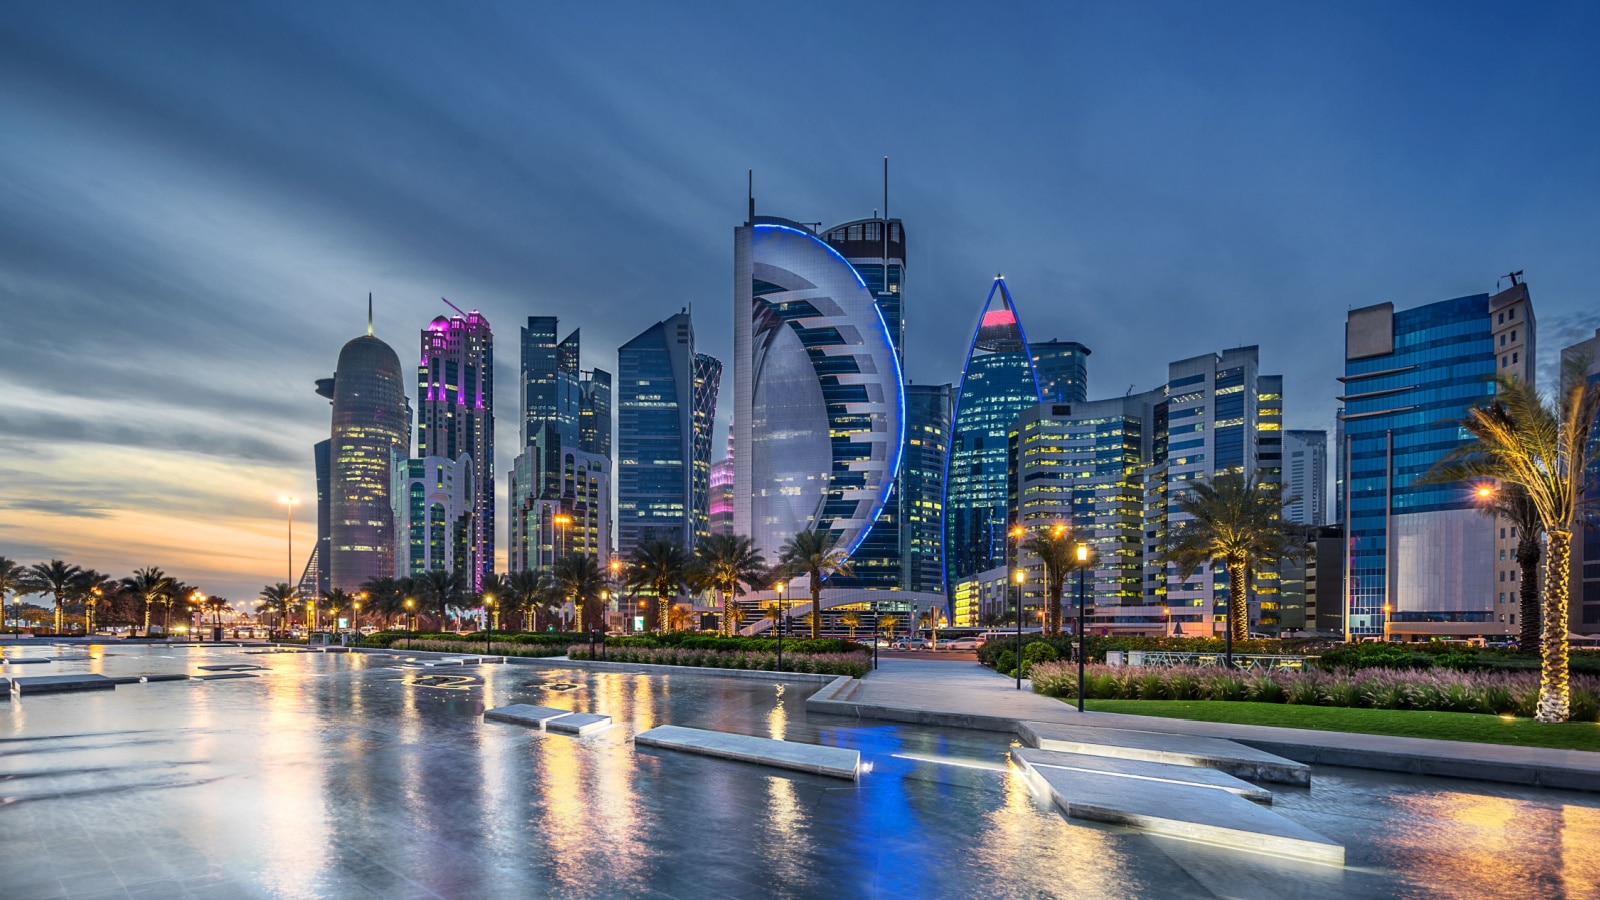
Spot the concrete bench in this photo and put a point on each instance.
(57, 684)
(1177, 749)
(814, 758)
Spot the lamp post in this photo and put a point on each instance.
(1020, 576)
(412, 617)
(562, 520)
(289, 503)
(488, 626)
(1083, 646)
(1386, 609)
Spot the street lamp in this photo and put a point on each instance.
(1386, 623)
(488, 604)
(1020, 577)
(411, 605)
(1083, 647)
(562, 520)
(289, 503)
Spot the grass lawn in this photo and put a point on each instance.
(1446, 726)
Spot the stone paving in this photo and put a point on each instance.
(344, 775)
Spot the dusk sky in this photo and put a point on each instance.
(196, 199)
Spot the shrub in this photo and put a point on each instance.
(853, 664)
(1006, 663)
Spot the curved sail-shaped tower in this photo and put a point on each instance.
(818, 396)
(371, 436)
(997, 384)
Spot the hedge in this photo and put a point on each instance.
(537, 638)
(853, 664)
(1439, 690)
(508, 648)
(690, 640)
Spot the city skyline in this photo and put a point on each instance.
(185, 267)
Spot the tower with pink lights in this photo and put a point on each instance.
(455, 400)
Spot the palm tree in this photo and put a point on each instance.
(278, 599)
(337, 601)
(1057, 549)
(725, 562)
(386, 596)
(58, 579)
(659, 567)
(443, 589)
(578, 578)
(492, 596)
(815, 554)
(217, 606)
(532, 592)
(1542, 448)
(851, 621)
(12, 578)
(151, 586)
(1237, 521)
(887, 624)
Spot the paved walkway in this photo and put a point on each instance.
(967, 695)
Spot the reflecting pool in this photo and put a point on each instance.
(335, 775)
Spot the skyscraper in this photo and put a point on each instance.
(314, 579)
(594, 412)
(1305, 458)
(997, 384)
(818, 395)
(455, 417)
(876, 249)
(921, 487)
(371, 437)
(721, 484)
(1063, 370)
(666, 399)
(1582, 360)
(551, 392)
(1422, 557)
(436, 508)
(1219, 415)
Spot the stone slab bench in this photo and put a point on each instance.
(24, 661)
(563, 721)
(1189, 811)
(1139, 769)
(578, 723)
(814, 758)
(223, 676)
(1177, 749)
(57, 684)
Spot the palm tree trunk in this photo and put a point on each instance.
(1528, 560)
(1553, 689)
(1238, 603)
(61, 614)
(663, 605)
(1053, 617)
(816, 606)
(147, 618)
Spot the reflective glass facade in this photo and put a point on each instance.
(666, 400)
(997, 384)
(921, 487)
(434, 502)
(1410, 377)
(371, 436)
(1063, 370)
(818, 396)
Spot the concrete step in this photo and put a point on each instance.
(141, 679)
(1190, 811)
(814, 758)
(56, 684)
(578, 723)
(1176, 749)
(1142, 770)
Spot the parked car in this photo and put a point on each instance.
(965, 643)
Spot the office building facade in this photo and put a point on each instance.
(1582, 360)
(818, 394)
(921, 487)
(435, 508)
(1063, 370)
(997, 385)
(1305, 463)
(455, 417)
(666, 398)
(1422, 557)
(560, 504)
(371, 436)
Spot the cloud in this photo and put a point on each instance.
(32, 428)
(58, 507)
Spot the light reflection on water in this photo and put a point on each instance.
(329, 775)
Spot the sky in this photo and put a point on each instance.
(196, 199)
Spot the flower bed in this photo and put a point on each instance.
(500, 648)
(1497, 693)
(556, 639)
(853, 664)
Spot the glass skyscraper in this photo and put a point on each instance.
(819, 404)
(666, 401)
(921, 487)
(997, 384)
(371, 439)
(1063, 370)
(551, 392)
(455, 417)
(1422, 557)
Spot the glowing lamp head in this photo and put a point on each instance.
(1021, 576)
(1016, 531)
(1058, 530)
(1485, 492)
(1083, 553)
